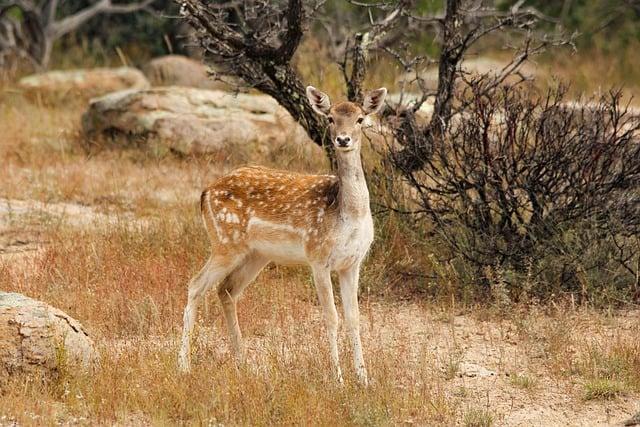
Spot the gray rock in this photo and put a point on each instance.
(470, 66)
(190, 120)
(83, 83)
(178, 70)
(472, 370)
(408, 100)
(40, 339)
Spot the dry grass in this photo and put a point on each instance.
(523, 381)
(127, 284)
(597, 71)
(477, 418)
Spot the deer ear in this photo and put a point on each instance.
(374, 100)
(319, 101)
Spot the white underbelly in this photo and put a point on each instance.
(282, 252)
(281, 243)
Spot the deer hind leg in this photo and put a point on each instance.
(213, 272)
(322, 281)
(349, 293)
(230, 290)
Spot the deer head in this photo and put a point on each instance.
(346, 118)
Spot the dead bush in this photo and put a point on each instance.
(535, 185)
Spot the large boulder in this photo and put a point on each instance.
(470, 66)
(408, 100)
(37, 338)
(189, 120)
(55, 86)
(178, 70)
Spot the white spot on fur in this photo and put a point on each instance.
(213, 220)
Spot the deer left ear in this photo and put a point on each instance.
(319, 101)
(374, 100)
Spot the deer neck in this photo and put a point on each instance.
(353, 194)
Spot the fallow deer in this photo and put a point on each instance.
(256, 215)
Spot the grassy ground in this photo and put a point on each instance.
(122, 272)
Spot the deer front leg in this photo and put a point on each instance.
(349, 291)
(322, 281)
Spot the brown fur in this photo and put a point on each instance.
(346, 108)
(301, 201)
(257, 215)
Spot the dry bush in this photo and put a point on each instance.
(611, 369)
(534, 186)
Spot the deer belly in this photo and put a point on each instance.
(280, 243)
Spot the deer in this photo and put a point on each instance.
(255, 216)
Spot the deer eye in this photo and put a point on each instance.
(360, 120)
(331, 120)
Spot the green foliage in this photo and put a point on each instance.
(147, 31)
(602, 389)
(429, 6)
(606, 24)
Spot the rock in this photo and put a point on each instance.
(472, 370)
(633, 421)
(473, 66)
(38, 339)
(191, 121)
(178, 70)
(56, 86)
(482, 65)
(408, 100)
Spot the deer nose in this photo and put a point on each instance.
(343, 140)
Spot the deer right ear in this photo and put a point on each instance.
(319, 101)
(374, 100)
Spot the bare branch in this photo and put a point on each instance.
(364, 42)
(72, 22)
(39, 29)
(380, 5)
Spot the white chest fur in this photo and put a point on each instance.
(352, 242)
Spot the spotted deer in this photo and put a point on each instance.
(256, 215)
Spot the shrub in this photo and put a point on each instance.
(534, 185)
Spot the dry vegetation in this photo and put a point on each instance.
(433, 361)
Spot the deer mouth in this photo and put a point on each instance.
(345, 148)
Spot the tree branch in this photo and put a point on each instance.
(70, 23)
(294, 33)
